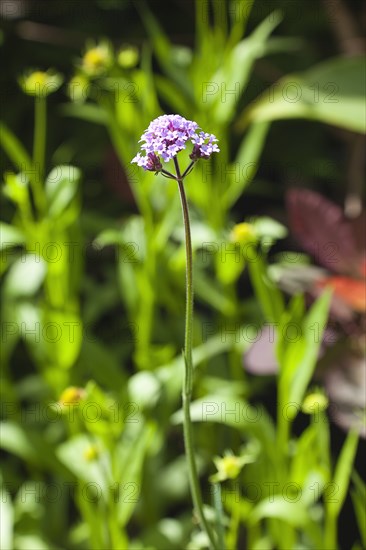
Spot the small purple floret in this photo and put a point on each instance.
(204, 146)
(149, 162)
(167, 135)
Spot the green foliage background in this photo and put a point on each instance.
(93, 276)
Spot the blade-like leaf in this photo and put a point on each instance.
(246, 162)
(15, 150)
(332, 92)
(342, 473)
(61, 187)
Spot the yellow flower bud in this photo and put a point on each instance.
(315, 402)
(128, 57)
(97, 60)
(91, 453)
(243, 233)
(71, 395)
(40, 83)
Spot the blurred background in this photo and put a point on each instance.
(93, 272)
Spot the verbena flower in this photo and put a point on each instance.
(204, 146)
(167, 135)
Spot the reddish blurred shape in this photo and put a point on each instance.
(336, 243)
(351, 291)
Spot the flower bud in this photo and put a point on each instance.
(40, 83)
(71, 395)
(128, 57)
(97, 60)
(243, 233)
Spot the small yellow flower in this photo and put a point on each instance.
(97, 59)
(40, 83)
(315, 402)
(229, 466)
(91, 453)
(71, 395)
(128, 57)
(243, 233)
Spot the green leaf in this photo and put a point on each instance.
(308, 347)
(306, 457)
(359, 499)
(243, 7)
(170, 374)
(88, 112)
(342, 473)
(25, 276)
(246, 162)
(229, 82)
(268, 294)
(291, 512)
(332, 92)
(163, 48)
(31, 542)
(170, 93)
(10, 330)
(131, 455)
(6, 521)
(74, 455)
(15, 440)
(31, 446)
(144, 388)
(100, 362)
(229, 267)
(234, 412)
(62, 332)
(61, 187)
(14, 149)
(10, 236)
(208, 291)
(16, 189)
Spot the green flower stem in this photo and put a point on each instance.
(39, 148)
(188, 169)
(217, 501)
(330, 532)
(284, 427)
(232, 538)
(188, 377)
(168, 174)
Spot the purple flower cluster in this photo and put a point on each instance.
(167, 135)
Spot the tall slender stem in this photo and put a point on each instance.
(39, 148)
(188, 377)
(330, 534)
